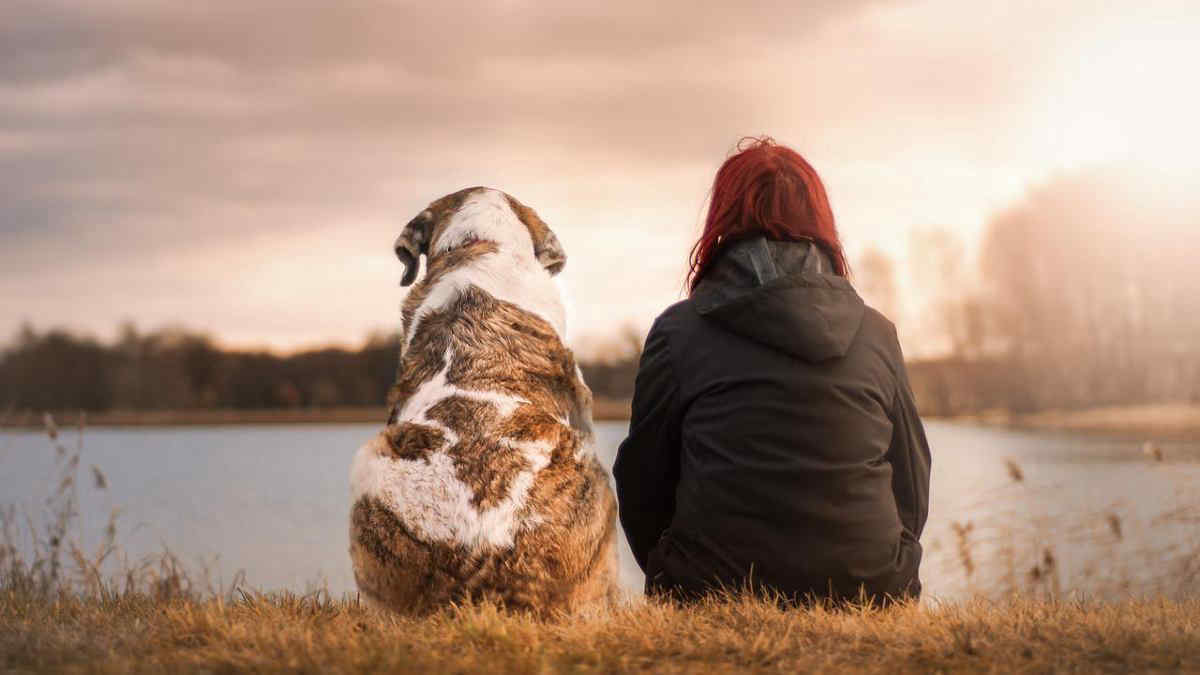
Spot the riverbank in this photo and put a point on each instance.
(137, 632)
(1158, 422)
(1150, 422)
(604, 410)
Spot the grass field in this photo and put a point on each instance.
(118, 633)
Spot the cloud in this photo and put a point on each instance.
(132, 128)
(440, 37)
(141, 141)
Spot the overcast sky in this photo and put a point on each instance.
(243, 170)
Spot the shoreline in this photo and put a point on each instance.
(1158, 422)
(604, 410)
(1142, 422)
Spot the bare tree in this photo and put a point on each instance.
(1092, 283)
(944, 277)
(875, 278)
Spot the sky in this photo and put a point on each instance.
(243, 168)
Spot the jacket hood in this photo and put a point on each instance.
(782, 294)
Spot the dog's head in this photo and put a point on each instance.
(473, 214)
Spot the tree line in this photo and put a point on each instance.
(1084, 293)
(175, 369)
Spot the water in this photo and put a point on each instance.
(273, 501)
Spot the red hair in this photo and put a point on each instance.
(771, 190)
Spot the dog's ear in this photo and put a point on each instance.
(550, 253)
(412, 242)
(546, 246)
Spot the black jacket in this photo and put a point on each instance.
(774, 439)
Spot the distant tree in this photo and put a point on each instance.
(174, 368)
(1092, 283)
(875, 279)
(944, 279)
(56, 368)
(611, 371)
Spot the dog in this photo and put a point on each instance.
(484, 485)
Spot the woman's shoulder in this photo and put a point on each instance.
(876, 324)
(879, 334)
(675, 317)
(677, 310)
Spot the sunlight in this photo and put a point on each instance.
(1128, 96)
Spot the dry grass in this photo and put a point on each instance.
(139, 632)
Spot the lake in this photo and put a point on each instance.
(1090, 514)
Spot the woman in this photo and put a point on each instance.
(774, 442)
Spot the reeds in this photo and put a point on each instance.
(43, 554)
(1118, 551)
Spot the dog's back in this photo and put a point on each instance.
(484, 484)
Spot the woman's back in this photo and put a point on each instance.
(776, 405)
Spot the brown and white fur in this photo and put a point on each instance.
(484, 485)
